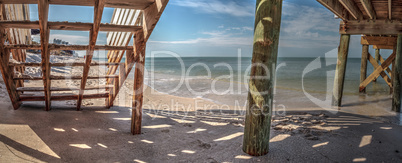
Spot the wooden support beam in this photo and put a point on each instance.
(150, 18)
(68, 47)
(390, 9)
(397, 79)
(75, 64)
(378, 71)
(7, 72)
(98, 11)
(378, 41)
(43, 10)
(387, 68)
(340, 70)
(377, 59)
(75, 26)
(336, 7)
(66, 77)
(352, 8)
(368, 7)
(371, 27)
(56, 89)
(63, 97)
(131, 4)
(136, 119)
(363, 69)
(261, 85)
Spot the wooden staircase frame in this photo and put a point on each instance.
(121, 29)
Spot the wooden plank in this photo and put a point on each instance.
(56, 89)
(98, 11)
(75, 26)
(368, 7)
(340, 71)
(63, 97)
(336, 7)
(150, 18)
(370, 27)
(378, 71)
(67, 47)
(43, 10)
(7, 72)
(132, 4)
(397, 79)
(363, 69)
(136, 119)
(390, 9)
(66, 77)
(378, 40)
(377, 59)
(387, 68)
(352, 8)
(383, 74)
(61, 64)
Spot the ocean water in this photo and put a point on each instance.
(224, 80)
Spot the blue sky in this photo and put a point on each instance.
(220, 27)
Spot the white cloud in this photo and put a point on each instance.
(308, 27)
(217, 7)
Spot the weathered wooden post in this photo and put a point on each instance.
(261, 84)
(340, 70)
(363, 69)
(377, 60)
(397, 76)
(136, 119)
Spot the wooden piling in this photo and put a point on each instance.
(138, 95)
(340, 70)
(363, 69)
(260, 97)
(377, 59)
(397, 76)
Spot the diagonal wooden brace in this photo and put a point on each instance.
(379, 70)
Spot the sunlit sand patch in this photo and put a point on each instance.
(130, 142)
(147, 141)
(386, 128)
(139, 161)
(197, 130)
(182, 120)
(366, 140)
(107, 112)
(215, 123)
(103, 146)
(59, 129)
(157, 126)
(172, 155)
(112, 129)
(188, 151)
(359, 159)
(155, 116)
(243, 157)
(122, 119)
(279, 138)
(74, 129)
(230, 136)
(320, 144)
(23, 135)
(82, 146)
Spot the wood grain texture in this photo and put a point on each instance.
(363, 69)
(43, 10)
(262, 77)
(397, 79)
(339, 80)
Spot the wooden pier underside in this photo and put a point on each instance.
(131, 19)
(379, 21)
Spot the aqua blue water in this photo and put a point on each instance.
(191, 76)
